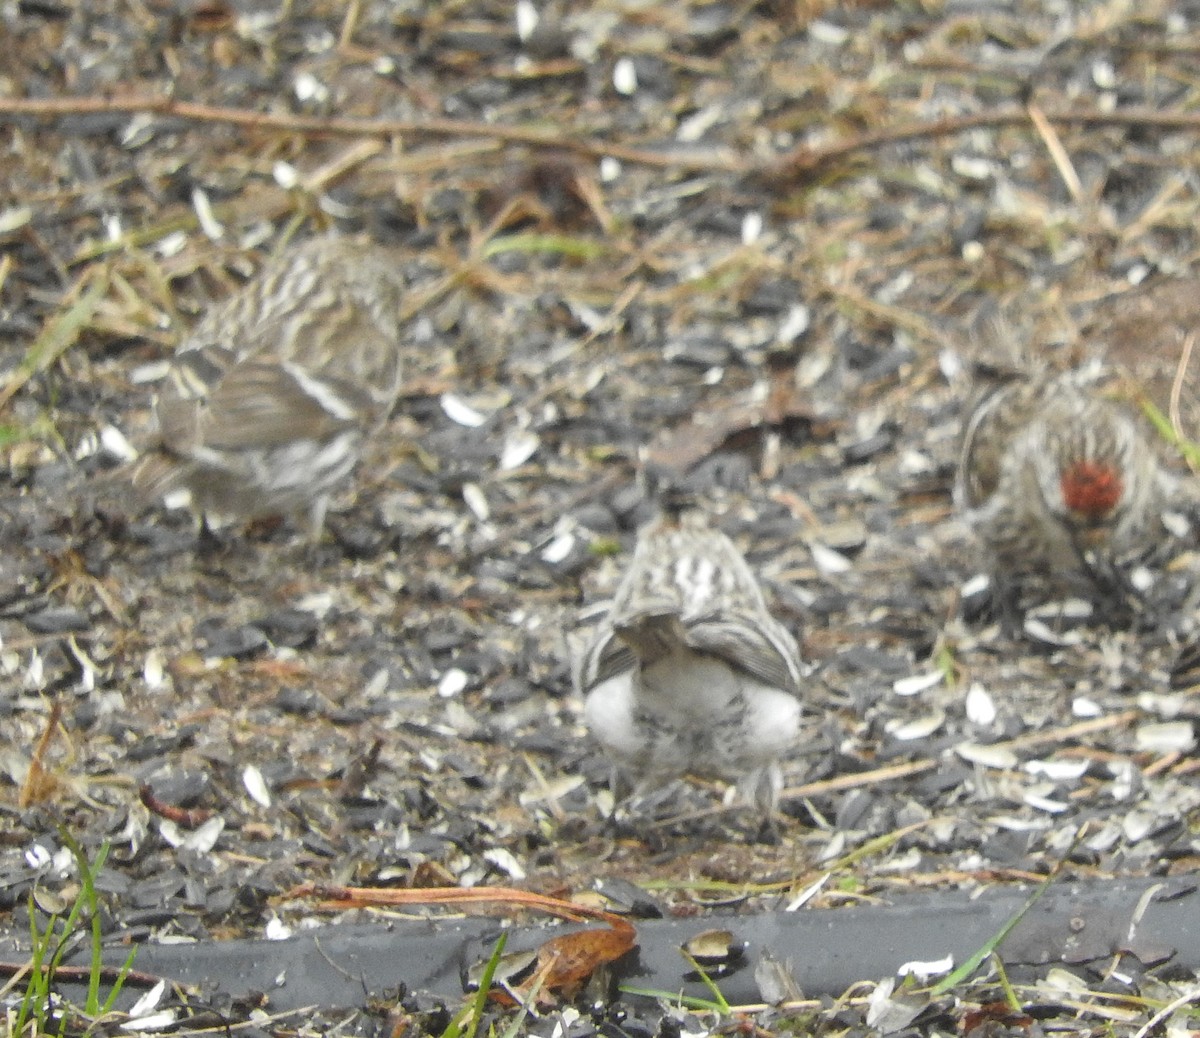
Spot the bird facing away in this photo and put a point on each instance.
(269, 401)
(1063, 489)
(690, 673)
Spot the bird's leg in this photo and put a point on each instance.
(1006, 604)
(208, 541)
(762, 788)
(1117, 599)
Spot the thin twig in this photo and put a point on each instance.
(1185, 355)
(797, 163)
(340, 165)
(82, 974)
(340, 897)
(1070, 731)
(858, 780)
(1190, 995)
(895, 771)
(345, 126)
(549, 798)
(805, 160)
(1157, 207)
(1062, 161)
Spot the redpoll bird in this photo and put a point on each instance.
(690, 673)
(269, 401)
(1063, 489)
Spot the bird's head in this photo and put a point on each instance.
(1091, 492)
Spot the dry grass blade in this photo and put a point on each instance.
(1070, 731)
(40, 784)
(59, 335)
(1192, 994)
(1185, 356)
(878, 845)
(1062, 161)
(859, 780)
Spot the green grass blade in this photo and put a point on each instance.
(119, 983)
(676, 997)
(1010, 996)
(718, 999)
(33, 999)
(473, 1010)
(559, 244)
(964, 971)
(87, 874)
(515, 1023)
(1162, 425)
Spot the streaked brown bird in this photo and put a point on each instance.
(1063, 488)
(690, 673)
(270, 400)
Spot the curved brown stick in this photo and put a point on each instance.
(345, 126)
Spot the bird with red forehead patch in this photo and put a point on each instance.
(1063, 488)
(1091, 488)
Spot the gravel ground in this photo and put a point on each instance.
(789, 340)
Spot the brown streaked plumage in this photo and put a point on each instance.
(271, 398)
(690, 673)
(1062, 486)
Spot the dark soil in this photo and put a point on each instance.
(394, 705)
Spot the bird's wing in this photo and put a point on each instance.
(255, 404)
(757, 645)
(606, 657)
